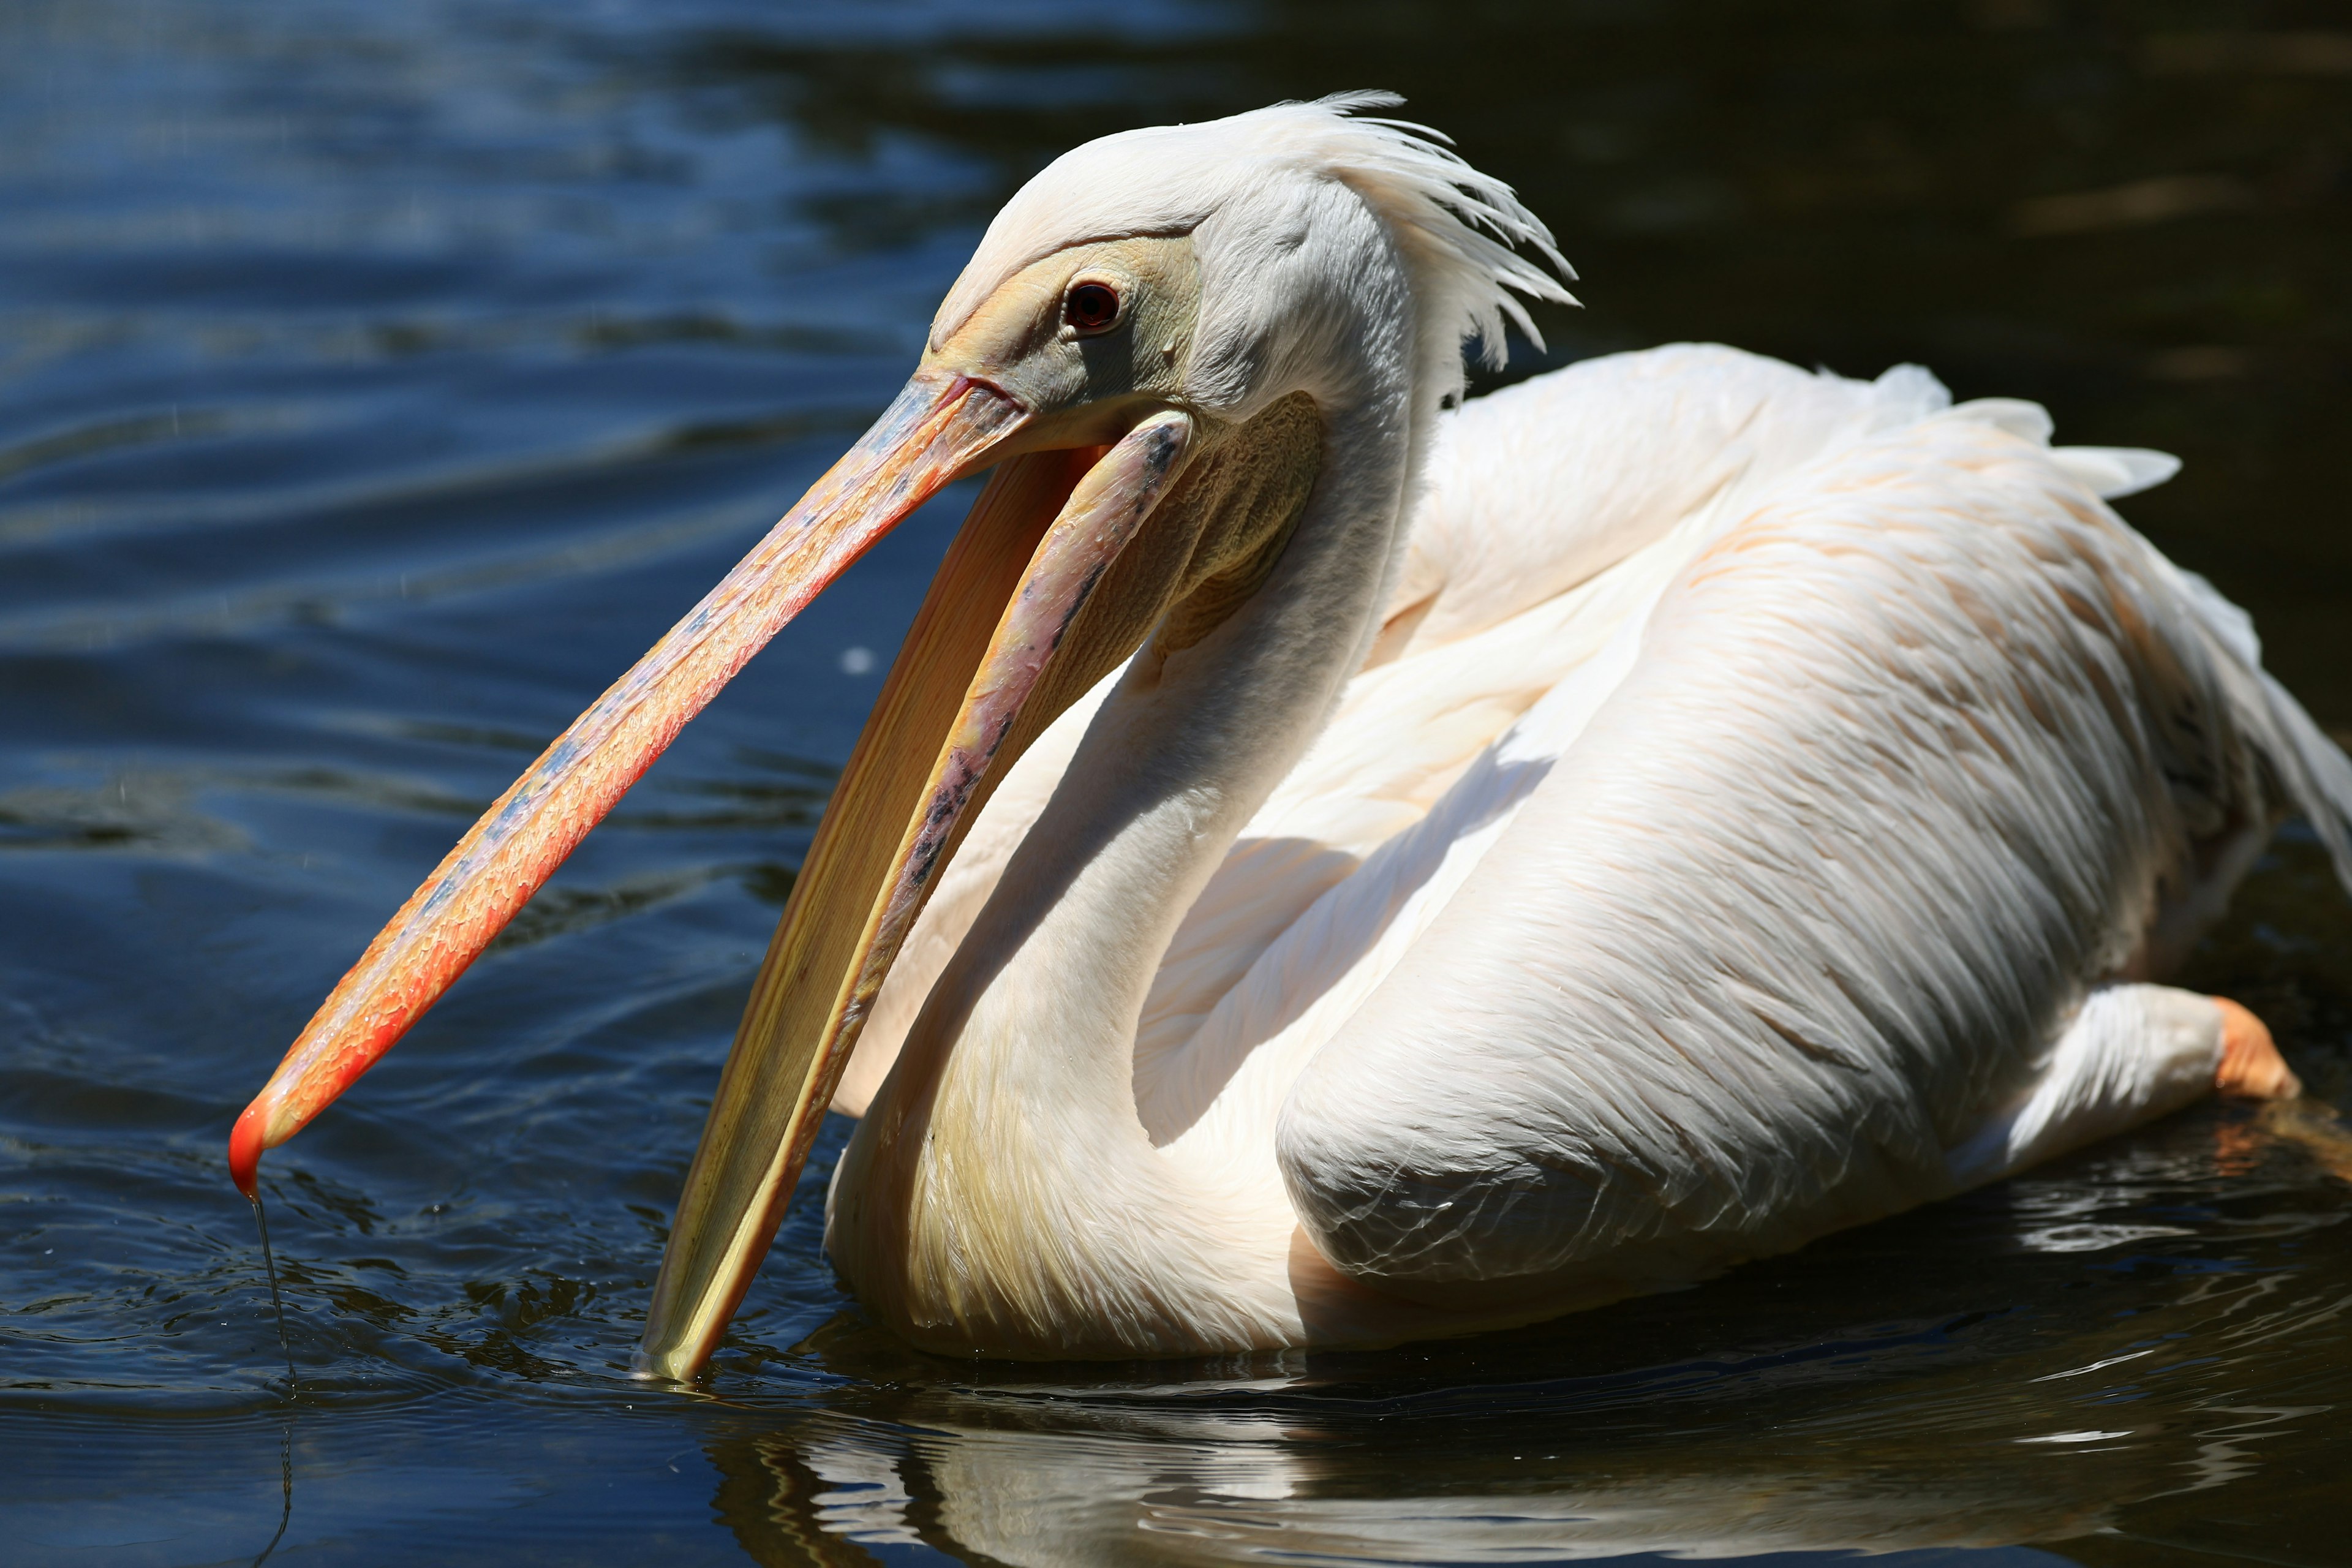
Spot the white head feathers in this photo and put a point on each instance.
(1452, 226)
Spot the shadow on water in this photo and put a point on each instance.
(377, 382)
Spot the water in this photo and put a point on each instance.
(377, 381)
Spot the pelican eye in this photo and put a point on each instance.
(1091, 306)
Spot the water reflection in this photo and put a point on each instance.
(1039, 1484)
(1045, 1495)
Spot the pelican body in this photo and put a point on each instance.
(1333, 864)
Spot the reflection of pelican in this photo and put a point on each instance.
(1062, 1482)
(1145, 1492)
(1740, 804)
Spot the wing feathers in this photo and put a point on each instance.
(1912, 758)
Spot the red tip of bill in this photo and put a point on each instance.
(244, 1148)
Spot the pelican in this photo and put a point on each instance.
(1333, 864)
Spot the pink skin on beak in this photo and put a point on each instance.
(939, 428)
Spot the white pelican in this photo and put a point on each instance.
(1329, 868)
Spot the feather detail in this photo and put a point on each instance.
(1456, 226)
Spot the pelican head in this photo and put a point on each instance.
(1180, 349)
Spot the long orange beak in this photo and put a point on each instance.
(939, 427)
(1039, 597)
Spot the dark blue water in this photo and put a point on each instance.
(377, 381)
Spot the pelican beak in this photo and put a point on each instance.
(1023, 618)
(1013, 630)
(940, 426)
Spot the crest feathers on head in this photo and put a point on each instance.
(1461, 225)
(1457, 227)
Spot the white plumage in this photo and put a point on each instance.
(1532, 852)
(1763, 808)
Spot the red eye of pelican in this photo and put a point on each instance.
(1091, 306)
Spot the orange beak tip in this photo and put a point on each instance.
(245, 1147)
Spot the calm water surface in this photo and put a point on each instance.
(377, 380)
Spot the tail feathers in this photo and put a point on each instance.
(2315, 770)
(2311, 769)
